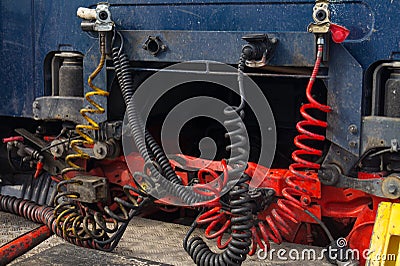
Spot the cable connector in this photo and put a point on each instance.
(98, 19)
(11, 139)
(258, 50)
(321, 17)
(39, 168)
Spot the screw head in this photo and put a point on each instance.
(100, 150)
(353, 129)
(392, 189)
(353, 144)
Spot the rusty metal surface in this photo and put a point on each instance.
(63, 108)
(144, 243)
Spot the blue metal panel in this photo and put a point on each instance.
(31, 29)
(17, 58)
(295, 49)
(345, 97)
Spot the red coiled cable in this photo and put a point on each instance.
(277, 220)
(215, 216)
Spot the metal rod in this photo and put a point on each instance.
(207, 72)
(23, 244)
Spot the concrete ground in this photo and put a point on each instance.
(146, 242)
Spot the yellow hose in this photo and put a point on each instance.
(81, 129)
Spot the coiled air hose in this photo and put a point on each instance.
(238, 247)
(121, 64)
(82, 129)
(42, 214)
(147, 146)
(76, 220)
(239, 200)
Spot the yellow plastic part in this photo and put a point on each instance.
(385, 240)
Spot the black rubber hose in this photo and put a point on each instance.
(239, 200)
(241, 223)
(121, 64)
(170, 183)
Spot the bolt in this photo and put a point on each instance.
(353, 129)
(352, 144)
(100, 150)
(36, 105)
(392, 189)
(39, 130)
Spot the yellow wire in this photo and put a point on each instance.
(92, 125)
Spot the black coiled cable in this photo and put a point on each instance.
(238, 247)
(167, 179)
(237, 133)
(239, 200)
(90, 228)
(121, 64)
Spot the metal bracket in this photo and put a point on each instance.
(52, 166)
(388, 187)
(321, 16)
(98, 19)
(103, 18)
(260, 63)
(260, 43)
(91, 189)
(58, 108)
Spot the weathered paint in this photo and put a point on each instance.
(32, 29)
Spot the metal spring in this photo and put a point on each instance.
(71, 221)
